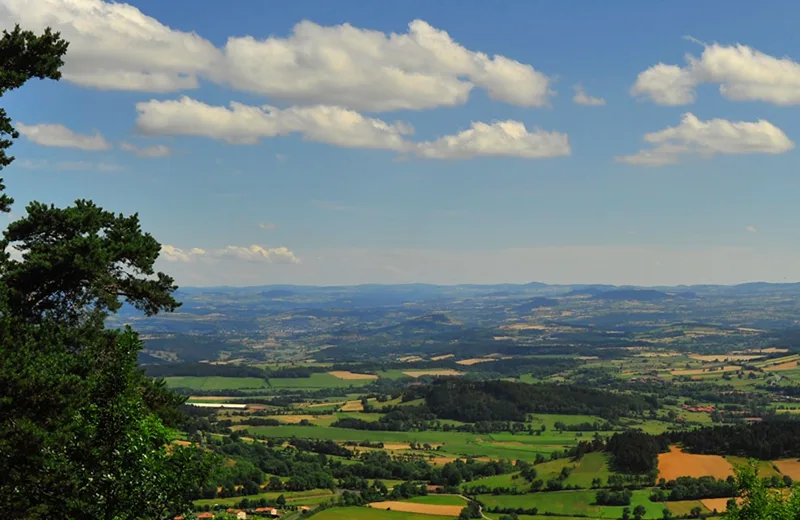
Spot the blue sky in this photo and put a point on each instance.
(327, 187)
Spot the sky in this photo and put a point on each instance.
(318, 142)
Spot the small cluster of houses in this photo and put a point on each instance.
(258, 512)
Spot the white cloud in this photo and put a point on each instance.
(158, 150)
(116, 46)
(751, 229)
(253, 253)
(503, 138)
(44, 164)
(267, 225)
(62, 137)
(582, 98)
(709, 138)
(743, 74)
(370, 70)
(246, 124)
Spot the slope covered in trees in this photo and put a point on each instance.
(473, 401)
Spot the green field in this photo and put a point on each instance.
(572, 503)
(300, 498)
(684, 507)
(765, 467)
(439, 500)
(216, 383)
(453, 443)
(367, 513)
(317, 380)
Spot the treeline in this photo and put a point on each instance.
(690, 488)
(420, 418)
(635, 451)
(215, 370)
(768, 440)
(472, 401)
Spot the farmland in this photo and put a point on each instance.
(515, 423)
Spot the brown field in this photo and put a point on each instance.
(292, 419)
(724, 357)
(720, 504)
(676, 464)
(524, 326)
(409, 359)
(503, 338)
(425, 509)
(445, 356)
(353, 406)
(789, 365)
(343, 374)
(702, 371)
(772, 350)
(320, 405)
(789, 467)
(443, 372)
(658, 354)
(473, 361)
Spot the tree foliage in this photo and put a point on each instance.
(83, 433)
(759, 501)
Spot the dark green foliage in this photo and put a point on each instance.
(605, 497)
(82, 430)
(79, 261)
(690, 488)
(472, 401)
(773, 439)
(759, 501)
(636, 452)
(23, 56)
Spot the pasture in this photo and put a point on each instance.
(216, 383)
(573, 503)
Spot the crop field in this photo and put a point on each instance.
(216, 383)
(343, 374)
(366, 513)
(789, 467)
(415, 507)
(316, 381)
(677, 463)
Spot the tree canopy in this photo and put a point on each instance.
(84, 434)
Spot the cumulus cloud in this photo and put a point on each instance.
(267, 225)
(370, 70)
(582, 98)
(253, 253)
(708, 138)
(751, 229)
(62, 137)
(158, 150)
(246, 124)
(116, 46)
(743, 74)
(503, 138)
